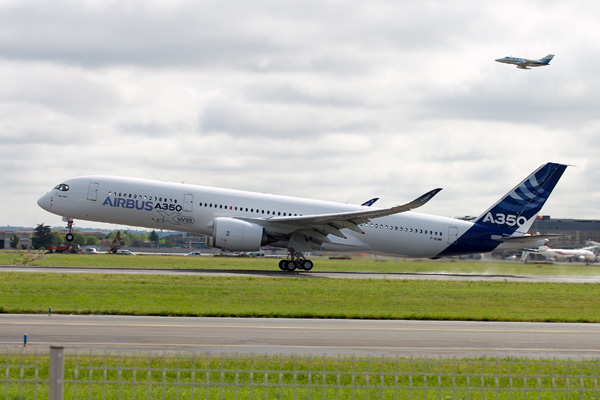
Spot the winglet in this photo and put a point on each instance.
(416, 203)
(425, 198)
(369, 203)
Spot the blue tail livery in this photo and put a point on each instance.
(509, 219)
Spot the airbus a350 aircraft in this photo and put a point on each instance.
(524, 63)
(244, 221)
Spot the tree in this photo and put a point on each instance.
(42, 237)
(91, 240)
(154, 238)
(57, 239)
(79, 238)
(14, 242)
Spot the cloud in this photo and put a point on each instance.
(332, 100)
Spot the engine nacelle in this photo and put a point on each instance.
(235, 235)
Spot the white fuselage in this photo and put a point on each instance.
(191, 208)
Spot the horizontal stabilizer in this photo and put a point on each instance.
(527, 239)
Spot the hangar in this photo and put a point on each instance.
(576, 231)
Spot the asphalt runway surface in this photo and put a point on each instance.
(303, 337)
(276, 273)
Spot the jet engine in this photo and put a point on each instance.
(235, 235)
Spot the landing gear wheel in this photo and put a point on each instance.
(69, 236)
(290, 265)
(306, 265)
(282, 265)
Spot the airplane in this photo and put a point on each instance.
(242, 221)
(524, 63)
(567, 254)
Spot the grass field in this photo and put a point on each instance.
(294, 296)
(356, 265)
(272, 377)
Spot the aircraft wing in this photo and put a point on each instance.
(315, 228)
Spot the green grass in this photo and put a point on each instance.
(294, 296)
(268, 377)
(356, 265)
(297, 297)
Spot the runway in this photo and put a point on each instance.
(314, 337)
(304, 274)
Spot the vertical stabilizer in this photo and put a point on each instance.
(517, 210)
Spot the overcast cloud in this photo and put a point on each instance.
(331, 100)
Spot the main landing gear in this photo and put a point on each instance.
(296, 261)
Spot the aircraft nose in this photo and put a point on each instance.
(45, 202)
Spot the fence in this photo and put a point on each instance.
(201, 376)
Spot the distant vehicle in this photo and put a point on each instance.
(255, 254)
(90, 250)
(194, 253)
(127, 252)
(69, 248)
(524, 63)
(116, 243)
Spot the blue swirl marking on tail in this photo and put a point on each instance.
(519, 207)
(511, 215)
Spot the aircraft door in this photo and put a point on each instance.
(452, 234)
(93, 191)
(188, 202)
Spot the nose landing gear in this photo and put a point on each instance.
(69, 235)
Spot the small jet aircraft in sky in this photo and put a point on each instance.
(235, 220)
(524, 63)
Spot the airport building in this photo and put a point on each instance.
(23, 243)
(576, 231)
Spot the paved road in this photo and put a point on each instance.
(312, 274)
(301, 336)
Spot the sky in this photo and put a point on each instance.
(330, 100)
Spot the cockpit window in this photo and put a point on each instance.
(63, 187)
